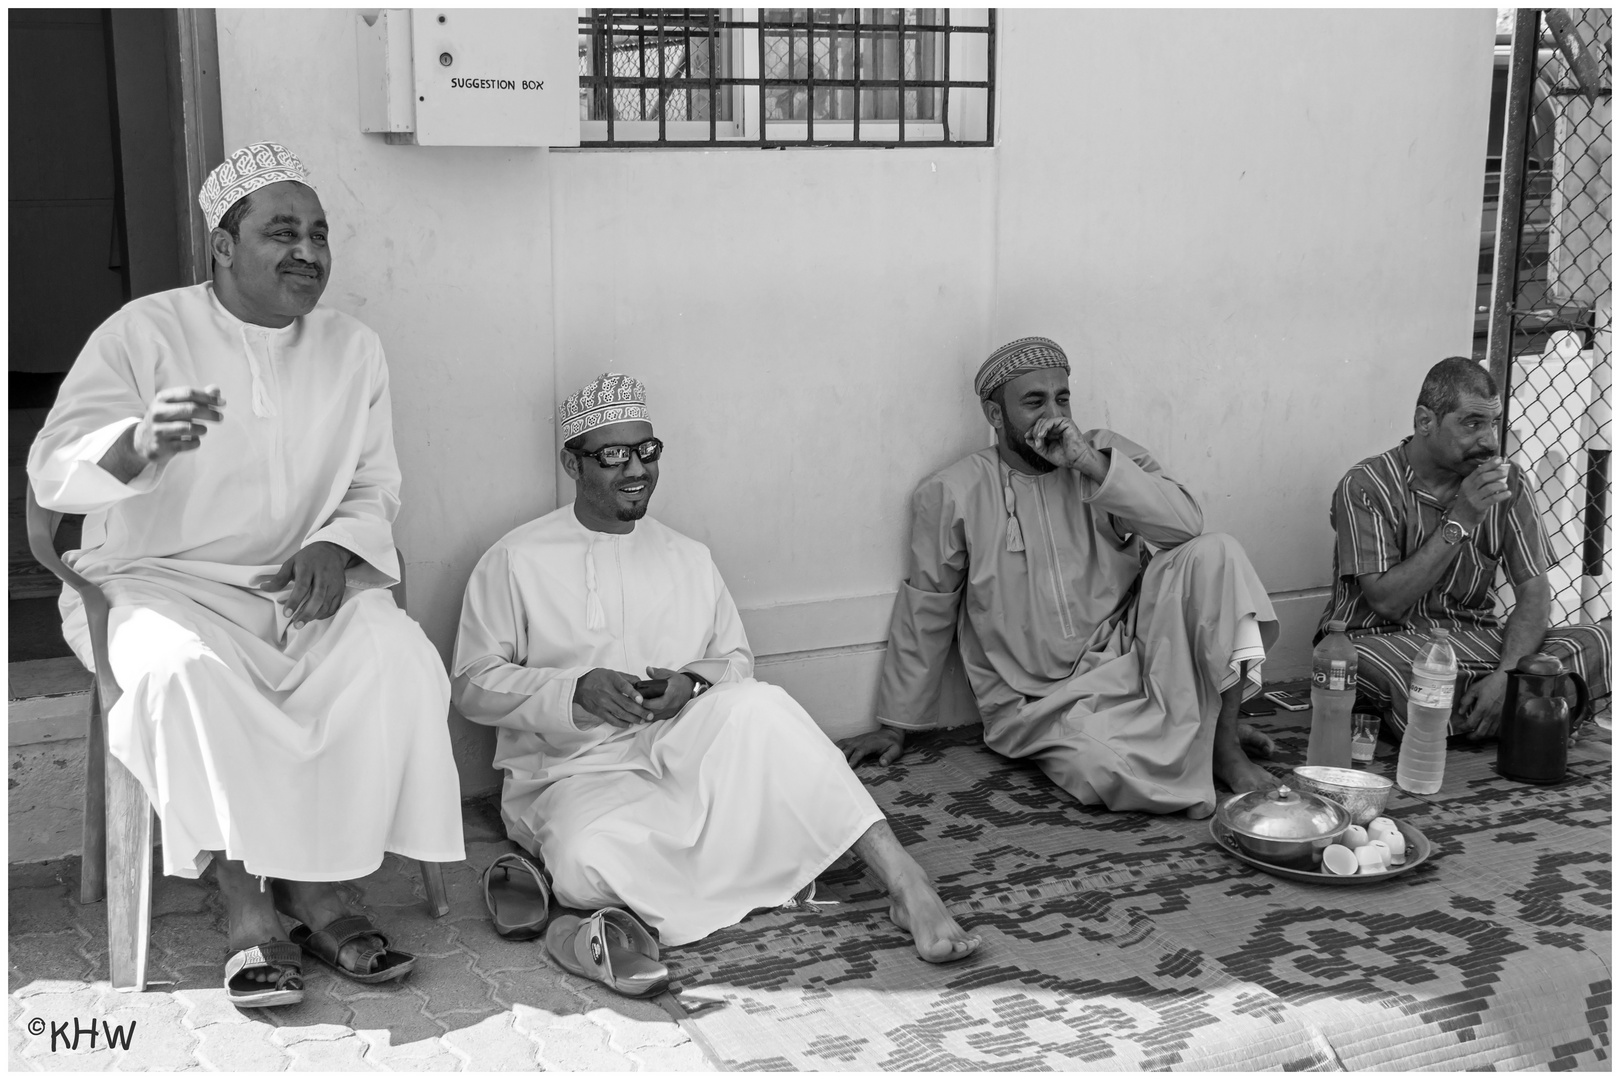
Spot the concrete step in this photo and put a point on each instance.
(49, 719)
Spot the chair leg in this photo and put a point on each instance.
(93, 841)
(129, 874)
(433, 882)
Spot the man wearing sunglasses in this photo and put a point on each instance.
(644, 764)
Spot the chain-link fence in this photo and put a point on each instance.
(1557, 358)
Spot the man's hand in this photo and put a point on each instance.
(1058, 440)
(317, 579)
(611, 697)
(174, 423)
(1481, 489)
(676, 694)
(1481, 706)
(885, 744)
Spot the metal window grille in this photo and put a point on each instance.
(1550, 333)
(774, 77)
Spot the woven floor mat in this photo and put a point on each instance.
(1128, 941)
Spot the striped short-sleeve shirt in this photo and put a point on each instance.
(1381, 518)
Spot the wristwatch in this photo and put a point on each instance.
(1452, 531)
(699, 683)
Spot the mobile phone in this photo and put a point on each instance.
(1257, 706)
(652, 688)
(1292, 700)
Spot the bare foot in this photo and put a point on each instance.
(1234, 769)
(914, 906)
(1232, 766)
(917, 909)
(1255, 742)
(316, 904)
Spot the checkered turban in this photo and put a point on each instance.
(606, 399)
(245, 171)
(1014, 359)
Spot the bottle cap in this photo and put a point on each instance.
(1441, 632)
(1337, 626)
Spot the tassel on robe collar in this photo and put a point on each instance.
(1015, 533)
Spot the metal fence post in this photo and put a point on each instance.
(1510, 208)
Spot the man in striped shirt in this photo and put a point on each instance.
(1421, 532)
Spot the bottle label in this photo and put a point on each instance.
(1334, 675)
(1432, 691)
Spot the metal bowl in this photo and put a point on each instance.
(1283, 827)
(1363, 794)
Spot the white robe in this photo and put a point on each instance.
(304, 753)
(735, 803)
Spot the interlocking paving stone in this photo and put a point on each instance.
(385, 1052)
(572, 1042)
(208, 1007)
(57, 952)
(293, 1034)
(401, 1025)
(347, 1054)
(456, 1011)
(493, 1045)
(240, 1048)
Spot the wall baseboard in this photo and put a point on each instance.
(838, 685)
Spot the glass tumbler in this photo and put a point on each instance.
(1363, 736)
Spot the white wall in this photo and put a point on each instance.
(1253, 231)
(805, 323)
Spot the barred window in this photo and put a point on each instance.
(787, 76)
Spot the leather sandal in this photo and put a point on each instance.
(611, 947)
(518, 898)
(282, 957)
(324, 945)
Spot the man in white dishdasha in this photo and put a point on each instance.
(691, 808)
(232, 448)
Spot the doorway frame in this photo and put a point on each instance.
(198, 125)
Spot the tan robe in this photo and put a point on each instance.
(1107, 675)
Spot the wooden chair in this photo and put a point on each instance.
(117, 838)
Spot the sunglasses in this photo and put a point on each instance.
(611, 457)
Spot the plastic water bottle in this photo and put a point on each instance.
(1422, 764)
(1333, 698)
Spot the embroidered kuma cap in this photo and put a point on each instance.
(606, 399)
(1016, 358)
(245, 171)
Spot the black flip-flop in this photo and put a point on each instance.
(518, 897)
(324, 945)
(282, 957)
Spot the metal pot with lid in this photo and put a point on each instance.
(1283, 827)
